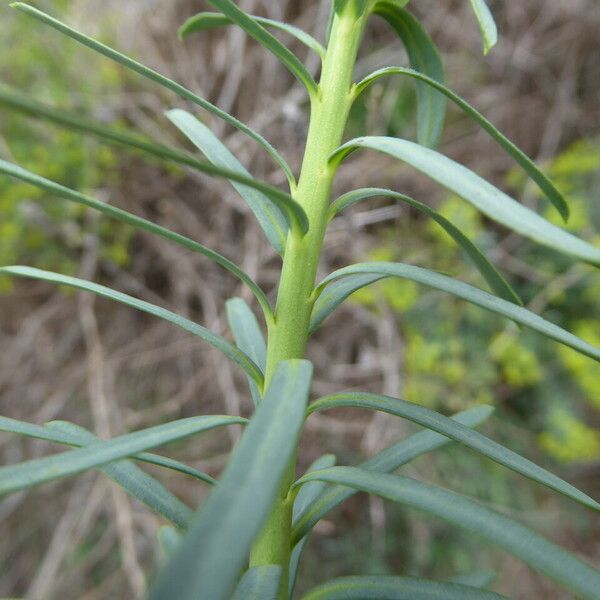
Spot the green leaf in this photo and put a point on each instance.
(332, 293)
(271, 43)
(162, 313)
(169, 538)
(495, 528)
(494, 279)
(37, 471)
(487, 25)
(425, 58)
(45, 433)
(205, 21)
(483, 195)
(386, 461)
(267, 211)
(395, 588)
(464, 435)
(478, 579)
(210, 558)
(306, 497)
(517, 154)
(157, 78)
(134, 481)
(139, 223)
(259, 583)
(248, 338)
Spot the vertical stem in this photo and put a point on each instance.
(288, 336)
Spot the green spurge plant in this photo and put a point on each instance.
(247, 538)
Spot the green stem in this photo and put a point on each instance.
(288, 335)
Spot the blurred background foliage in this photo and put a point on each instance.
(70, 357)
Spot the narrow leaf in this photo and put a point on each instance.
(169, 538)
(267, 211)
(248, 338)
(50, 435)
(425, 58)
(487, 25)
(494, 527)
(395, 588)
(467, 437)
(478, 579)
(259, 583)
(41, 470)
(139, 223)
(157, 78)
(271, 43)
(386, 461)
(205, 21)
(495, 280)
(483, 195)
(210, 558)
(162, 313)
(306, 497)
(517, 154)
(330, 298)
(136, 482)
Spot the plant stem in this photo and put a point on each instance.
(330, 108)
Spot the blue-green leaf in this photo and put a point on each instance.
(139, 223)
(487, 25)
(271, 43)
(425, 58)
(495, 280)
(518, 155)
(479, 579)
(333, 290)
(259, 583)
(141, 69)
(50, 435)
(162, 313)
(134, 481)
(464, 435)
(395, 588)
(483, 195)
(209, 561)
(494, 527)
(305, 498)
(37, 471)
(169, 538)
(386, 461)
(206, 20)
(271, 213)
(248, 338)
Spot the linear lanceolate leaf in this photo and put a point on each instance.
(331, 296)
(37, 471)
(206, 20)
(386, 461)
(140, 223)
(50, 434)
(479, 579)
(266, 39)
(464, 435)
(483, 195)
(494, 527)
(87, 286)
(248, 338)
(487, 25)
(424, 57)
(259, 583)
(495, 280)
(208, 562)
(519, 156)
(157, 78)
(135, 482)
(395, 588)
(269, 212)
(305, 498)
